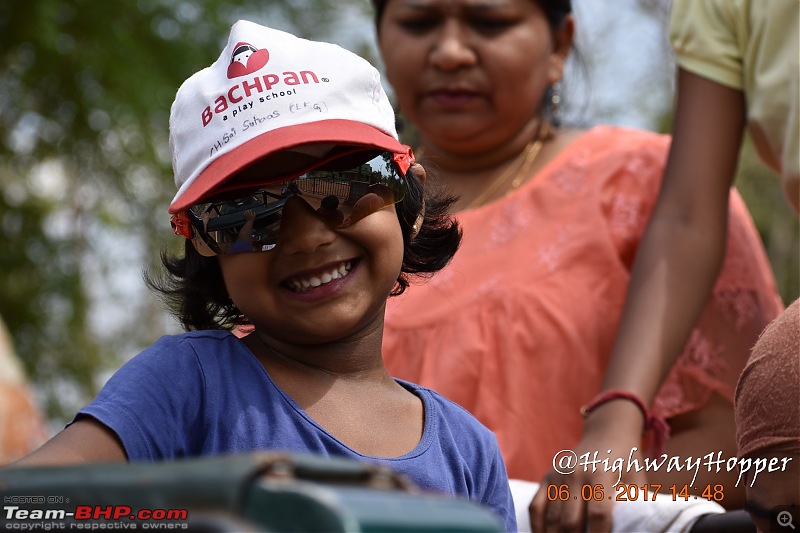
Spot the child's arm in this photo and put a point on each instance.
(85, 441)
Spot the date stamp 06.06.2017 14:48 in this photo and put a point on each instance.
(568, 462)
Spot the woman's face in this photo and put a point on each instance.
(470, 74)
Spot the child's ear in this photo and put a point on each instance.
(201, 247)
(419, 172)
(418, 223)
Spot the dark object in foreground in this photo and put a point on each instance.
(252, 492)
(730, 522)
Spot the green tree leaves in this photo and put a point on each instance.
(85, 176)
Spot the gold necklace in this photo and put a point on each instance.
(515, 173)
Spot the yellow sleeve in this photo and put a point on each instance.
(710, 37)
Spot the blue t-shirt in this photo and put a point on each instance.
(204, 393)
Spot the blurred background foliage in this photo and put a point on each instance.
(777, 224)
(85, 91)
(85, 177)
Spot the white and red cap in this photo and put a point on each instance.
(270, 93)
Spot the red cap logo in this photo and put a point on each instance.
(245, 59)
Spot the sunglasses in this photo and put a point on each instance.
(251, 223)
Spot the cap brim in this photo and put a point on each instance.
(338, 132)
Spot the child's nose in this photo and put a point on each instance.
(303, 230)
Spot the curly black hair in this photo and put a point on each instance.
(193, 289)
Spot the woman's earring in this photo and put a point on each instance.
(555, 104)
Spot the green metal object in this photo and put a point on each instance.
(278, 492)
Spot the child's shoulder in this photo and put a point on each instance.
(190, 339)
(210, 356)
(449, 417)
(192, 345)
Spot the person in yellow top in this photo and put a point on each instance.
(752, 48)
(737, 71)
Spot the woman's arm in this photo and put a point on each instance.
(677, 262)
(681, 253)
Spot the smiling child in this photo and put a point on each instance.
(302, 214)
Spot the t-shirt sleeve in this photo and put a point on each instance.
(147, 405)
(709, 39)
(498, 492)
(472, 456)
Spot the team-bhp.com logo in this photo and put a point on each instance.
(246, 59)
(87, 516)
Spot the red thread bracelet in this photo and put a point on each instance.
(653, 422)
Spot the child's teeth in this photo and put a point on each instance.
(303, 285)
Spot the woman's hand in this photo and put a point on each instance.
(581, 496)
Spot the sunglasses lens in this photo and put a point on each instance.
(340, 196)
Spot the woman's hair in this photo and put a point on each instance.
(193, 289)
(555, 10)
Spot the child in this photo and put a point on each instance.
(302, 213)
